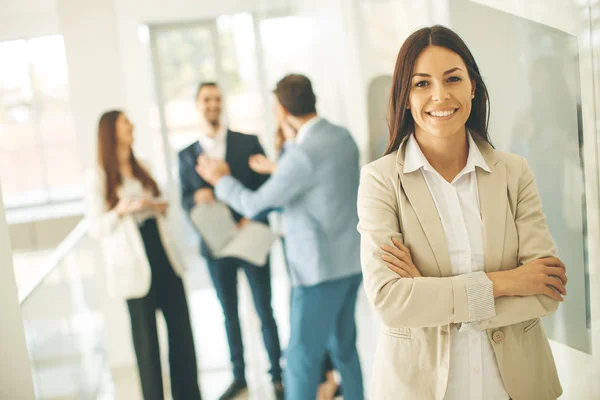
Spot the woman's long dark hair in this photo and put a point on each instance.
(107, 158)
(400, 119)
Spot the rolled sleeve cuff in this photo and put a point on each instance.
(473, 297)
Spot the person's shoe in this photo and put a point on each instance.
(234, 390)
(279, 392)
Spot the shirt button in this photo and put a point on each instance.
(475, 341)
(476, 370)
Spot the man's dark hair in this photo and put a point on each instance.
(203, 85)
(296, 95)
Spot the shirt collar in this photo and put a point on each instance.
(304, 129)
(221, 135)
(475, 158)
(415, 159)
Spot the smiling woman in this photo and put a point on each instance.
(438, 76)
(456, 254)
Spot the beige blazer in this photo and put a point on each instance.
(127, 268)
(412, 355)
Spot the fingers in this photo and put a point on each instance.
(396, 252)
(136, 205)
(556, 283)
(552, 262)
(558, 273)
(398, 271)
(409, 267)
(398, 243)
(257, 157)
(205, 161)
(395, 261)
(548, 291)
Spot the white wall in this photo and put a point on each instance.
(15, 370)
(27, 18)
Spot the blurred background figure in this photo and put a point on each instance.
(329, 387)
(218, 142)
(316, 184)
(126, 211)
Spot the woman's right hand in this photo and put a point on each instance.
(545, 276)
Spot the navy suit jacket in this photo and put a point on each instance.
(239, 148)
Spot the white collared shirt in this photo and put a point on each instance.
(214, 147)
(474, 373)
(304, 129)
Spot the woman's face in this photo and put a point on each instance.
(440, 94)
(124, 130)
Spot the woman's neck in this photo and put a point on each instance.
(447, 155)
(124, 160)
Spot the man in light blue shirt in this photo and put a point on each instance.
(316, 184)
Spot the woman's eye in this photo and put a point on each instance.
(421, 84)
(454, 79)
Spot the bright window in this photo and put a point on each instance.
(39, 153)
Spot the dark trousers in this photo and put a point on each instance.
(223, 273)
(166, 293)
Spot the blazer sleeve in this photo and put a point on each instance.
(293, 177)
(102, 221)
(534, 242)
(186, 168)
(407, 302)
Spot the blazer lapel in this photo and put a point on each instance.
(229, 149)
(420, 198)
(197, 150)
(492, 199)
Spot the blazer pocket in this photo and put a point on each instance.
(401, 333)
(530, 324)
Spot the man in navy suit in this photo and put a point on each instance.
(218, 142)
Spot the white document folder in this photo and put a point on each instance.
(252, 242)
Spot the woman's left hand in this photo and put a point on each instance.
(399, 260)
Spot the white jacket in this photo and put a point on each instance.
(127, 268)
